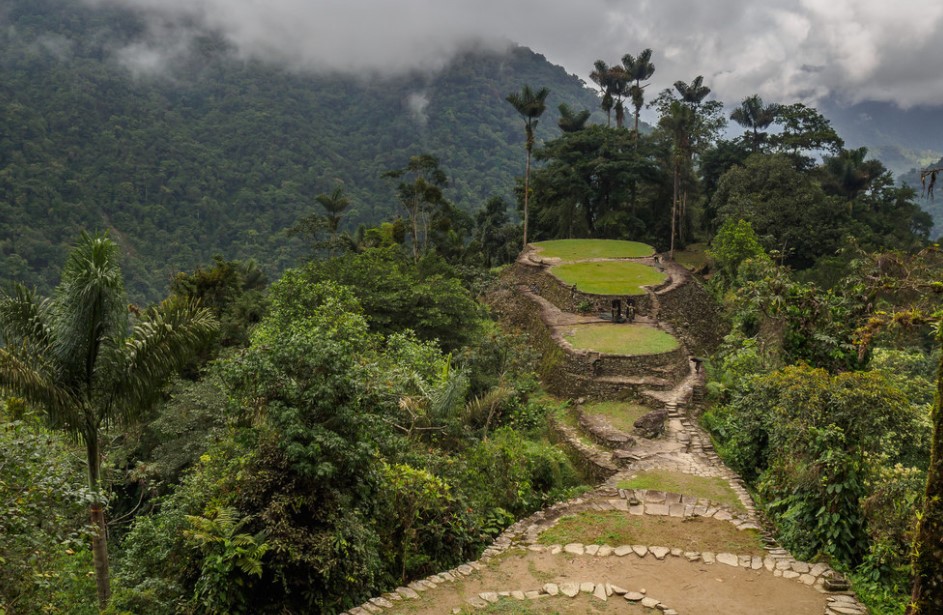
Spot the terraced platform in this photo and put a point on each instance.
(669, 528)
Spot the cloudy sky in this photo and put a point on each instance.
(785, 50)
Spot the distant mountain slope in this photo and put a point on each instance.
(219, 155)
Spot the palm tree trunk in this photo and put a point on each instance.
(97, 516)
(674, 209)
(927, 591)
(526, 195)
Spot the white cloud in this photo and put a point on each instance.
(856, 49)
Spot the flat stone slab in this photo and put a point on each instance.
(728, 558)
(600, 592)
(491, 597)
(587, 587)
(659, 552)
(574, 548)
(640, 550)
(569, 589)
(634, 596)
(622, 550)
(551, 588)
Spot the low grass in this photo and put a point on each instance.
(577, 249)
(619, 528)
(712, 488)
(621, 415)
(622, 339)
(557, 605)
(694, 256)
(609, 277)
(564, 416)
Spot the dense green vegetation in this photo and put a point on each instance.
(268, 473)
(217, 155)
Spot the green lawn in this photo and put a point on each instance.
(624, 339)
(621, 415)
(619, 528)
(713, 488)
(609, 277)
(577, 249)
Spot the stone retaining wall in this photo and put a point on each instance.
(681, 301)
(571, 373)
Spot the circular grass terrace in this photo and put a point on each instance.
(623, 339)
(609, 277)
(582, 249)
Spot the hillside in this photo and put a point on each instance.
(217, 155)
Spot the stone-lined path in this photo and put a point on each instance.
(661, 578)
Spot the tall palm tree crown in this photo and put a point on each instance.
(638, 70)
(531, 105)
(79, 358)
(754, 115)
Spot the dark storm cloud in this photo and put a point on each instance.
(784, 49)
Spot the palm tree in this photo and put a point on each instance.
(334, 204)
(531, 105)
(602, 76)
(570, 120)
(638, 69)
(678, 122)
(693, 93)
(753, 114)
(74, 356)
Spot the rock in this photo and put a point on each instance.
(532, 594)
(574, 548)
(587, 587)
(633, 596)
(800, 567)
(676, 552)
(818, 569)
(640, 550)
(708, 557)
(649, 603)
(407, 593)
(618, 590)
(728, 558)
(623, 550)
(382, 603)
(592, 549)
(604, 551)
(477, 602)
(491, 597)
(756, 562)
(556, 549)
(551, 588)
(600, 592)
(569, 589)
(465, 570)
(518, 595)
(652, 424)
(790, 574)
(659, 552)
(807, 579)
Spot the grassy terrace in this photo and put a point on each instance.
(621, 415)
(713, 488)
(581, 249)
(609, 277)
(619, 528)
(624, 339)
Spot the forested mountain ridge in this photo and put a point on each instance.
(213, 154)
